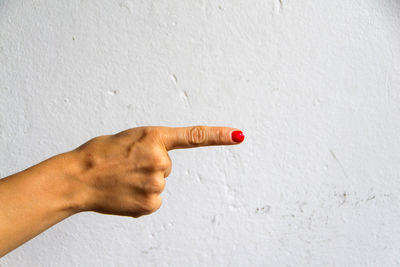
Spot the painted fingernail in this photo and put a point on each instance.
(237, 136)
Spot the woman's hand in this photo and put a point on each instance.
(124, 174)
(121, 174)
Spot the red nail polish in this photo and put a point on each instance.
(237, 136)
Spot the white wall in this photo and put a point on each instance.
(315, 85)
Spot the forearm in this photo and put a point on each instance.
(35, 199)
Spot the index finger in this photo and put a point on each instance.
(197, 136)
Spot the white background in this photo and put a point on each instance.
(315, 86)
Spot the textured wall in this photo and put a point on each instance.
(315, 85)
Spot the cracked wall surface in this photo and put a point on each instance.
(314, 85)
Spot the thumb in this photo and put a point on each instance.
(196, 136)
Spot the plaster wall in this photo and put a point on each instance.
(314, 85)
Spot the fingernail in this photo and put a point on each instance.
(237, 136)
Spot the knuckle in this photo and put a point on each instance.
(151, 204)
(164, 164)
(155, 185)
(221, 135)
(154, 159)
(167, 172)
(197, 135)
(158, 161)
(151, 131)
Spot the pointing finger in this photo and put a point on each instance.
(196, 136)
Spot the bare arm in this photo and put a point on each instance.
(121, 174)
(33, 200)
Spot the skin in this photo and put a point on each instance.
(120, 174)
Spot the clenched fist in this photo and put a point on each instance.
(124, 174)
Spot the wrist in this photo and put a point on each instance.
(63, 178)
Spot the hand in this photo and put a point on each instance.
(121, 174)
(124, 174)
